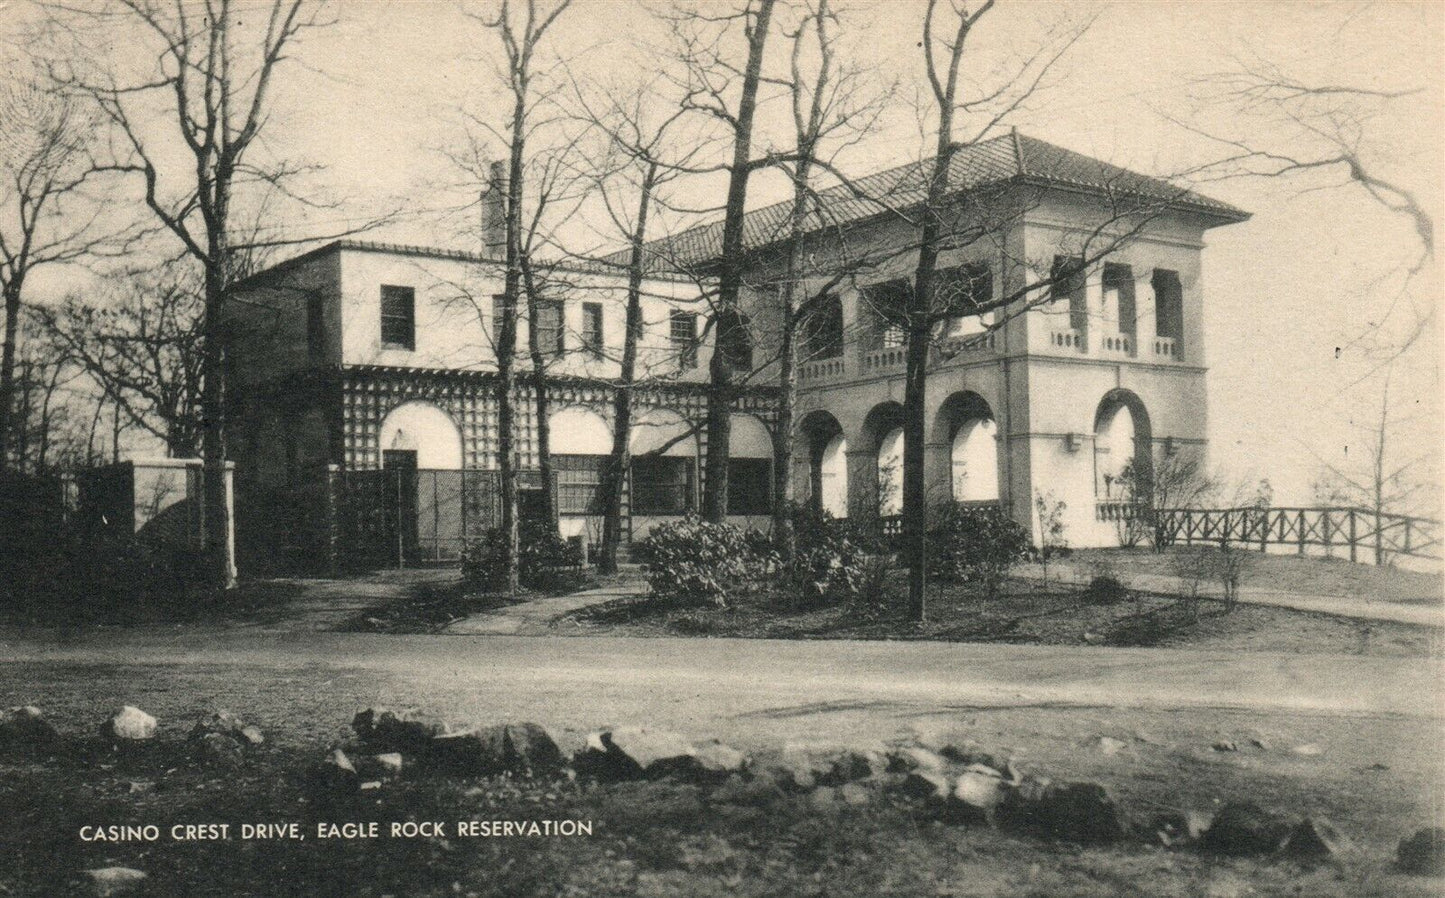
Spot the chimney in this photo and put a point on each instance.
(494, 212)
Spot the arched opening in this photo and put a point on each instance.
(827, 463)
(664, 463)
(750, 467)
(420, 435)
(580, 446)
(967, 420)
(883, 428)
(1123, 461)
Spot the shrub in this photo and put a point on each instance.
(975, 544)
(1105, 590)
(832, 558)
(693, 560)
(545, 561)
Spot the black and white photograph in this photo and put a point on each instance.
(571, 448)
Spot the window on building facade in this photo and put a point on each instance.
(662, 485)
(592, 328)
(1168, 305)
(735, 340)
(887, 305)
(398, 317)
(961, 290)
(750, 486)
(682, 329)
(550, 332)
(315, 327)
(1069, 278)
(823, 328)
(1119, 296)
(579, 483)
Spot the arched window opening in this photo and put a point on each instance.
(890, 473)
(974, 456)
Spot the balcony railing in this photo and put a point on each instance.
(970, 344)
(822, 369)
(1067, 339)
(1166, 347)
(885, 359)
(1117, 344)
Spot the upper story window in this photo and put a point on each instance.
(887, 306)
(963, 290)
(592, 328)
(398, 317)
(682, 330)
(823, 328)
(1119, 296)
(549, 327)
(1069, 278)
(315, 327)
(734, 340)
(1168, 306)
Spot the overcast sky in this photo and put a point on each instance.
(378, 97)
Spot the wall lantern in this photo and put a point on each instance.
(1072, 441)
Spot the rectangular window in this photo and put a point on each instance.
(961, 290)
(750, 486)
(315, 327)
(1119, 295)
(823, 328)
(592, 328)
(398, 317)
(579, 483)
(1069, 279)
(887, 305)
(662, 485)
(682, 329)
(550, 331)
(1168, 305)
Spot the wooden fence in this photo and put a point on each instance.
(1379, 535)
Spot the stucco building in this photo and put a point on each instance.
(359, 357)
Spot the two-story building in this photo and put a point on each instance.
(359, 358)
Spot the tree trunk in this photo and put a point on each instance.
(215, 510)
(7, 372)
(506, 375)
(783, 536)
(614, 476)
(540, 398)
(720, 382)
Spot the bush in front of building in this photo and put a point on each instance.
(975, 544)
(545, 561)
(833, 559)
(692, 560)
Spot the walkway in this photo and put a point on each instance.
(534, 618)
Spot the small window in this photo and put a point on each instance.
(734, 340)
(1168, 305)
(888, 306)
(1119, 295)
(579, 483)
(961, 291)
(315, 327)
(549, 326)
(398, 317)
(661, 485)
(1069, 279)
(592, 328)
(682, 329)
(750, 486)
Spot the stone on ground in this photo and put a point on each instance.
(129, 724)
(26, 727)
(1423, 853)
(476, 752)
(1073, 812)
(979, 791)
(335, 774)
(531, 749)
(379, 767)
(808, 764)
(405, 731)
(1244, 828)
(633, 752)
(217, 750)
(108, 881)
(926, 784)
(915, 757)
(1314, 839)
(1109, 745)
(710, 763)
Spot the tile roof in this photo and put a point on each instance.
(1009, 157)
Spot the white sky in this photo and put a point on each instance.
(377, 100)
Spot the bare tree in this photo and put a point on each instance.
(141, 341)
(1177, 480)
(210, 82)
(45, 218)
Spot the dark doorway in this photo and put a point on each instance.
(400, 468)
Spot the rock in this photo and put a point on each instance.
(855, 794)
(710, 763)
(25, 727)
(406, 731)
(1259, 744)
(1225, 745)
(107, 881)
(1423, 853)
(824, 798)
(129, 724)
(1312, 840)
(1109, 745)
(252, 735)
(817, 764)
(1244, 828)
(530, 749)
(979, 791)
(915, 757)
(926, 784)
(1308, 750)
(477, 752)
(1075, 812)
(1175, 829)
(969, 752)
(379, 767)
(335, 774)
(634, 752)
(216, 750)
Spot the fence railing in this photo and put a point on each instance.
(1375, 536)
